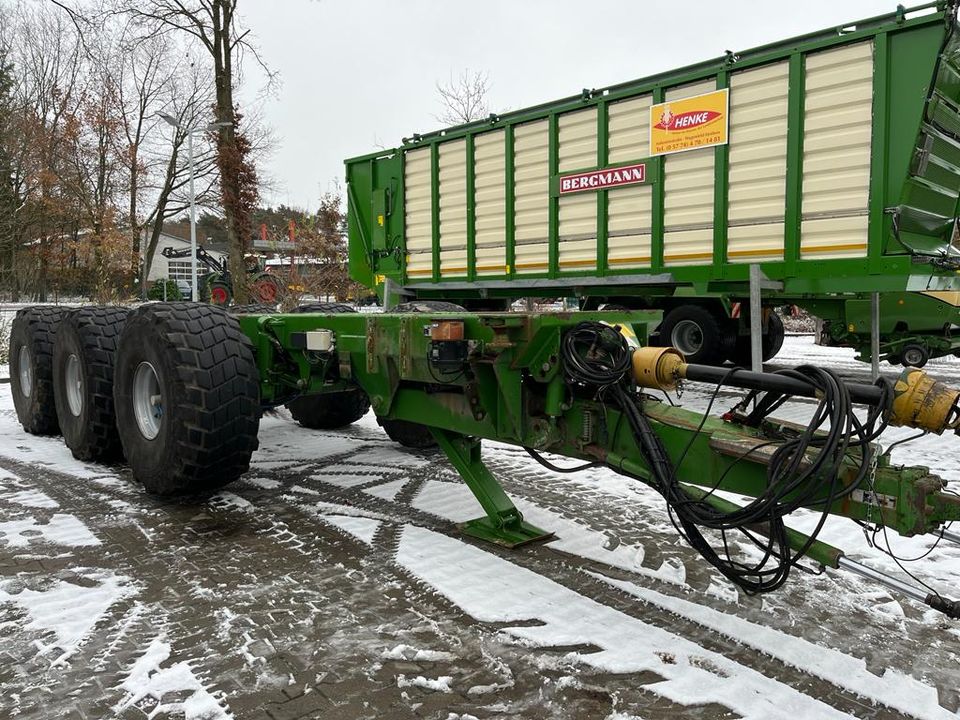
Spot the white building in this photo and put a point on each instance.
(177, 268)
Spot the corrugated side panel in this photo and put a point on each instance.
(757, 161)
(490, 202)
(577, 150)
(837, 127)
(452, 166)
(418, 213)
(531, 190)
(688, 196)
(629, 209)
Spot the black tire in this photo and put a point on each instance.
(31, 382)
(698, 331)
(409, 434)
(87, 340)
(914, 355)
(323, 307)
(329, 411)
(771, 342)
(428, 306)
(208, 386)
(251, 309)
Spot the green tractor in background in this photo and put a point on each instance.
(216, 285)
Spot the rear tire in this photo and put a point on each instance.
(31, 368)
(83, 361)
(186, 391)
(267, 289)
(695, 332)
(410, 434)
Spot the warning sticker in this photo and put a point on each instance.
(691, 123)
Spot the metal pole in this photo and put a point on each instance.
(756, 318)
(875, 334)
(947, 535)
(884, 579)
(193, 224)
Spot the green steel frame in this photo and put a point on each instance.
(512, 390)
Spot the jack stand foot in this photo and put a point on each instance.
(509, 537)
(503, 524)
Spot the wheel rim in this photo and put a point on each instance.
(687, 337)
(218, 296)
(912, 356)
(73, 384)
(267, 291)
(26, 370)
(147, 400)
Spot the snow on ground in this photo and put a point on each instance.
(333, 574)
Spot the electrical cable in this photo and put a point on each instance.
(804, 470)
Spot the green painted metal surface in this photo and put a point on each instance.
(914, 180)
(512, 389)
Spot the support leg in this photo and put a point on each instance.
(756, 320)
(875, 335)
(503, 523)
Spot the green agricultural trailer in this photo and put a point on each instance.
(831, 161)
(177, 389)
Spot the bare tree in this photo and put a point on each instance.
(214, 25)
(463, 98)
(187, 99)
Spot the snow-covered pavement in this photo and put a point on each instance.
(331, 582)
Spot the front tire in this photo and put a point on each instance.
(186, 391)
(914, 355)
(330, 411)
(83, 362)
(31, 368)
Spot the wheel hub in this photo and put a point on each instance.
(147, 400)
(687, 337)
(912, 356)
(73, 385)
(26, 370)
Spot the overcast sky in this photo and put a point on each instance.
(356, 75)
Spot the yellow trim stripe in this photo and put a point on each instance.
(755, 253)
(831, 248)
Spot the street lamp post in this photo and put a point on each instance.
(170, 120)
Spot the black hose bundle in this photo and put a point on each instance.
(804, 470)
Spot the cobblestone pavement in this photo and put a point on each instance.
(331, 582)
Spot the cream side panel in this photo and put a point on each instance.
(629, 209)
(418, 212)
(490, 202)
(452, 167)
(830, 238)
(629, 219)
(756, 202)
(838, 106)
(531, 182)
(577, 215)
(628, 129)
(577, 136)
(688, 196)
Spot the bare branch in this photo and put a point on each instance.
(463, 98)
